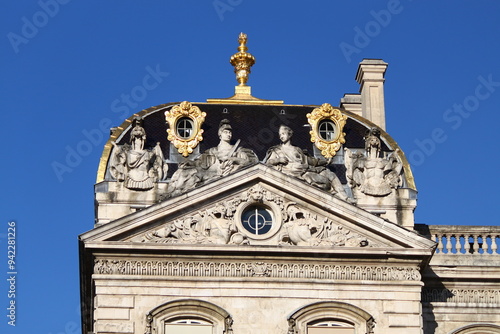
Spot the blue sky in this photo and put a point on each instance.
(66, 65)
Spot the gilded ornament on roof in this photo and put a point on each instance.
(326, 132)
(185, 130)
(242, 61)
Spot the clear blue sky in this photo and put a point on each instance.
(65, 65)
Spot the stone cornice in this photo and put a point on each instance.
(390, 254)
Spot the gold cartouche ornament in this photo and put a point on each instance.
(242, 61)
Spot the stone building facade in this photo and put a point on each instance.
(242, 215)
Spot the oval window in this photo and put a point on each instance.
(327, 130)
(185, 127)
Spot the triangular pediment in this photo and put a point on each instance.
(258, 206)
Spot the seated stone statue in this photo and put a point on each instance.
(371, 173)
(215, 162)
(138, 167)
(225, 158)
(292, 160)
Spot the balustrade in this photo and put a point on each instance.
(456, 239)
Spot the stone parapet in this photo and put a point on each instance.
(457, 240)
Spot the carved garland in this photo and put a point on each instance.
(254, 269)
(185, 145)
(327, 147)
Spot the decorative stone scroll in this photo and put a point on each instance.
(169, 268)
(326, 132)
(185, 136)
(138, 167)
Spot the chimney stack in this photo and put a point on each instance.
(370, 77)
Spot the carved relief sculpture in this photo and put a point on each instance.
(302, 228)
(216, 162)
(211, 226)
(219, 223)
(371, 173)
(139, 168)
(293, 161)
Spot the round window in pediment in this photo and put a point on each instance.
(257, 219)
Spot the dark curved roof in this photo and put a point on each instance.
(255, 125)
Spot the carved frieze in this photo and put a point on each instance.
(443, 295)
(254, 269)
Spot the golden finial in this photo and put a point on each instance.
(242, 61)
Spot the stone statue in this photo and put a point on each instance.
(292, 160)
(215, 162)
(225, 158)
(137, 166)
(371, 173)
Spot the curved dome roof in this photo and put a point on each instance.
(255, 126)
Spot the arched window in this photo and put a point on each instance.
(188, 325)
(330, 326)
(188, 316)
(478, 329)
(330, 318)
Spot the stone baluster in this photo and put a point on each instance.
(475, 245)
(466, 245)
(448, 244)
(440, 243)
(458, 243)
(467, 240)
(494, 245)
